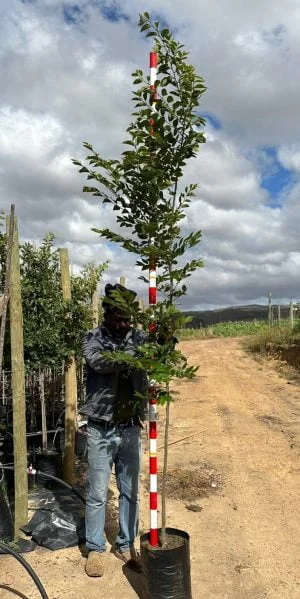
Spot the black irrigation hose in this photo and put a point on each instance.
(58, 480)
(62, 482)
(7, 548)
(31, 572)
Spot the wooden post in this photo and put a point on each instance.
(70, 380)
(279, 314)
(95, 309)
(43, 410)
(10, 226)
(291, 313)
(270, 309)
(123, 281)
(18, 387)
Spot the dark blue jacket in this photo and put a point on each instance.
(102, 374)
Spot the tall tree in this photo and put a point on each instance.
(145, 188)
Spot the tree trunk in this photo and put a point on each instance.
(43, 410)
(164, 476)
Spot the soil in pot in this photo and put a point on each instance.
(167, 569)
(172, 542)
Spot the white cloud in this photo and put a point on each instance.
(25, 134)
(289, 156)
(227, 177)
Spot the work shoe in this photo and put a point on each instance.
(130, 558)
(95, 564)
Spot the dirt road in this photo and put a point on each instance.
(242, 508)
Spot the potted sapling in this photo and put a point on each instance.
(145, 189)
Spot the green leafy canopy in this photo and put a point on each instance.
(144, 188)
(53, 327)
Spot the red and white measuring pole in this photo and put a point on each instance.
(153, 537)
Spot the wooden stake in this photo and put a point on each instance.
(184, 438)
(70, 380)
(270, 309)
(292, 313)
(43, 410)
(18, 387)
(7, 282)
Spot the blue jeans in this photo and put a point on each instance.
(121, 447)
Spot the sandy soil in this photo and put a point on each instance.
(243, 464)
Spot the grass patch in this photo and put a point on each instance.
(277, 337)
(225, 329)
(262, 336)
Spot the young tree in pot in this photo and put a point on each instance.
(144, 186)
(43, 313)
(52, 326)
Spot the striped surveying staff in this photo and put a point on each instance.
(153, 537)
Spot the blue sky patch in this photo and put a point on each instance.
(212, 120)
(112, 12)
(71, 13)
(277, 178)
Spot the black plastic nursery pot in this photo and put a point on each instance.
(167, 571)
(6, 520)
(81, 438)
(50, 462)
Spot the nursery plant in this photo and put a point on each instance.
(53, 327)
(145, 189)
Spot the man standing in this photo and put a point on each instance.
(114, 414)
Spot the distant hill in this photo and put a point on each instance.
(206, 318)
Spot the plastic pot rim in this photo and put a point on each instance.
(176, 532)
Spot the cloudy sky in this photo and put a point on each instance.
(65, 78)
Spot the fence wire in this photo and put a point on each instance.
(54, 393)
